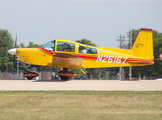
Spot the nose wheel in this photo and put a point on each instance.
(30, 75)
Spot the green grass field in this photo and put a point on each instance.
(80, 105)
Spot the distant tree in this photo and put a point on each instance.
(47, 68)
(21, 45)
(32, 45)
(87, 42)
(6, 42)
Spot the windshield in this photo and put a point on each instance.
(49, 46)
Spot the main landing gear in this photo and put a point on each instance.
(65, 75)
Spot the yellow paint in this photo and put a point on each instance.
(82, 71)
(28, 55)
(141, 54)
(18, 111)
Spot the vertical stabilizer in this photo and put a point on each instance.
(143, 45)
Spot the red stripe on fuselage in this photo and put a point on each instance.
(46, 51)
(86, 57)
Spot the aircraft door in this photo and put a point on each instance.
(64, 56)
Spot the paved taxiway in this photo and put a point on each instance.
(101, 85)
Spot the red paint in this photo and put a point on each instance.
(30, 74)
(66, 73)
(46, 51)
(146, 29)
(86, 57)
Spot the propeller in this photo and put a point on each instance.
(14, 57)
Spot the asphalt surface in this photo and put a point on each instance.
(98, 85)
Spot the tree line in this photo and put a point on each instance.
(7, 42)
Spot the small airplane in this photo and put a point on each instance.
(65, 54)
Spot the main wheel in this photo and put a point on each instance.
(29, 78)
(64, 78)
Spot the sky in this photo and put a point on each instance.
(101, 21)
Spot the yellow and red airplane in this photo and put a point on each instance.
(65, 54)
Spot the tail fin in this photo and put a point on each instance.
(143, 45)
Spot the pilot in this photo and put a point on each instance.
(64, 47)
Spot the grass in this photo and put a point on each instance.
(80, 105)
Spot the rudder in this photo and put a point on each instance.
(143, 45)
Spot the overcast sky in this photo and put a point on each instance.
(101, 21)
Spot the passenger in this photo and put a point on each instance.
(90, 51)
(82, 49)
(72, 49)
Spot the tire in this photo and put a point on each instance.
(29, 78)
(64, 78)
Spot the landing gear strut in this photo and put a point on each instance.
(65, 75)
(65, 69)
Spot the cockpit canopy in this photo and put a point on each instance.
(68, 47)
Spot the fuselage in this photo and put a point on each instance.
(79, 56)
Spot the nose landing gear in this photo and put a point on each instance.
(30, 75)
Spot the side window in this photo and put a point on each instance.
(87, 50)
(66, 47)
